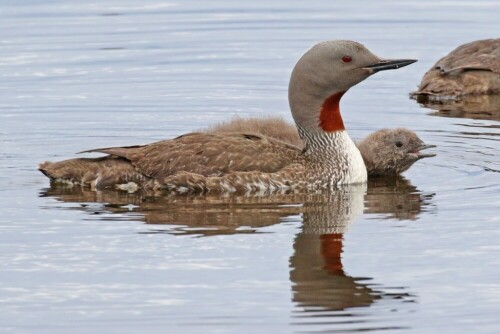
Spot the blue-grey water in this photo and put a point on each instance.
(417, 254)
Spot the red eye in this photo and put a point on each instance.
(346, 59)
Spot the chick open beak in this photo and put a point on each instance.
(421, 155)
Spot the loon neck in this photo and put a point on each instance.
(317, 115)
(325, 136)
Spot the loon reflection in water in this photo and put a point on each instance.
(319, 281)
(485, 107)
(388, 197)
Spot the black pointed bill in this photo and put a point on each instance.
(389, 64)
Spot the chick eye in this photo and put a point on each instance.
(346, 59)
(399, 144)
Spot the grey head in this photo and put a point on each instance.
(327, 69)
(392, 151)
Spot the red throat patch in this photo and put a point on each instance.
(330, 119)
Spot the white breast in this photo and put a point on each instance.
(356, 171)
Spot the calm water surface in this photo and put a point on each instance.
(414, 254)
